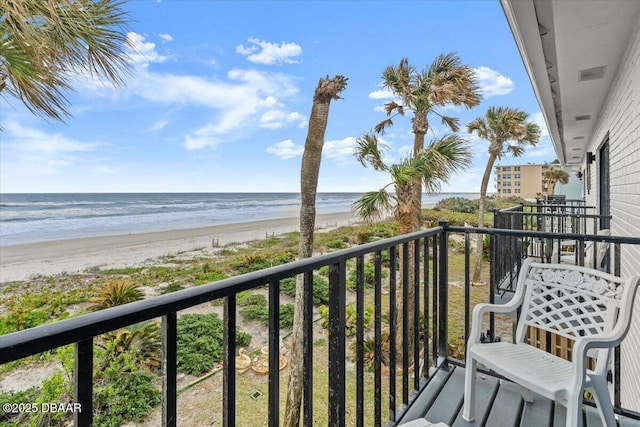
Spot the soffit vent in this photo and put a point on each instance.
(578, 137)
(583, 117)
(591, 73)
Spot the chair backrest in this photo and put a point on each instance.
(572, 301)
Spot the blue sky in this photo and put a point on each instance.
(221, 94)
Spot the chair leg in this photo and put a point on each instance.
(469, 390)
(603, 402)
(574, 411)
(526, 394)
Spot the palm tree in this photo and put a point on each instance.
(46, 43)
(442, 158)
(508, 132)
(553, 176)
(326, 91)
(446, 82)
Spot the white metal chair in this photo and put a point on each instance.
(589, 307)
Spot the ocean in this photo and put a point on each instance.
(30, 218)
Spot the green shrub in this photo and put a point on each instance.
(260, 261)
(171, 287)
(369, 275)
(286, 316)
(199, 342)
(351, 316)
(16, 397)
(457, 204)
(243, 339)
(246, 298)
(320, 288)
(431, 218)
(337, 244)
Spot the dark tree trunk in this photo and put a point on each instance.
(326, 90)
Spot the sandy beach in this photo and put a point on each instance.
(20, 262)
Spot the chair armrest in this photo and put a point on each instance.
(480, 309)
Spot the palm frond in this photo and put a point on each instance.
(443, 158)
(369, 151)
(452, 123)
(373, 205)
(383, 125)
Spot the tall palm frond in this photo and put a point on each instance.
(369, 151)
(373, 205)
(47, 43)
(443, 158)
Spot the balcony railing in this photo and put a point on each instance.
(393, 392)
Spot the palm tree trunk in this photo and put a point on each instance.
(407, 223)
(483, 202)
(326, 90)
(420, 126)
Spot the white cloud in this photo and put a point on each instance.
(381, 94)
(41, 152)
(275, 119)
(141, 52)
(262, 52)
(340, 150)
(286, 149)
(493, 83)
(165, 37)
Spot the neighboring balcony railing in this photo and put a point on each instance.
(409, 353)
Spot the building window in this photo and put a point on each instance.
(506, 169)
(506, 176)
(517, 184)
(517, 191)
(507, 184)
(506, 191)
(516, 176)
(516, 168)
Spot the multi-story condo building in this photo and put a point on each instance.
(525, 181)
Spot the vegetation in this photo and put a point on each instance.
(129, 356)
(46, 43)
(447, 82)
(553, 176)
(507, 131)
(200, 342)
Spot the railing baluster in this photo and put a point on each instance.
(443, 297)
(307, 349)
(467, 286)
(169, 369)
(83, 382)
(406, 348)
(416, 314)
(274, 354)
(229, 361)
(337, 351)
(377, 325)
(392, 333)
(360, 341)
(434, 309)
(425, 369)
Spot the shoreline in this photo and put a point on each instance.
(20, 262)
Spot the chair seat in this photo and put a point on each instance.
(528, 366)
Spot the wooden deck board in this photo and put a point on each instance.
(498, 403)
(431, 392)
(628, 422)
(537, 413)
(486, 389)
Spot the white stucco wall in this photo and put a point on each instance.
(620, 117)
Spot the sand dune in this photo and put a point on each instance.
(20, 262)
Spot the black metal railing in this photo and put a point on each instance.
(561, 217)
(419, 343)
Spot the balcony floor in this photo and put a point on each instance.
(498, 403)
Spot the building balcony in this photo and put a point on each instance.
(361, 386)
